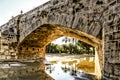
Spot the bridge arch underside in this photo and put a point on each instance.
(33, 46)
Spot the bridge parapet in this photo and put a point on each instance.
(12, 23)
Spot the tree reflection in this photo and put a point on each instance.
(65, 69)
(50, 68)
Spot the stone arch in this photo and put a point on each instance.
(43, 35)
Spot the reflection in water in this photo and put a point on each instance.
(64, 69)
(23, 71)
(71, 69)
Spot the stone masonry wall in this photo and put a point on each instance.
(112, 42)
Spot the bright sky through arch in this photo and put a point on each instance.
(9, 8)
(59, 41)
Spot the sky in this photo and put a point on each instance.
(9, 8)
(59, 41)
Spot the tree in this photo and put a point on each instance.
(65, 48)
(84, 46)
(73, 47)
(66, 39)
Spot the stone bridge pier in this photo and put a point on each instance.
(25, 52)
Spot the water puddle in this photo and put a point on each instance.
(70, 68)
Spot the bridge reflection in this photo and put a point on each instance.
(23, 70)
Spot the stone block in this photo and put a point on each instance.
(117, 70)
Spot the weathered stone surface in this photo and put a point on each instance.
(112, 42)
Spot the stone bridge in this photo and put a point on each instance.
(95, 22)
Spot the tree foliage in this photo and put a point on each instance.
(72, 46)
